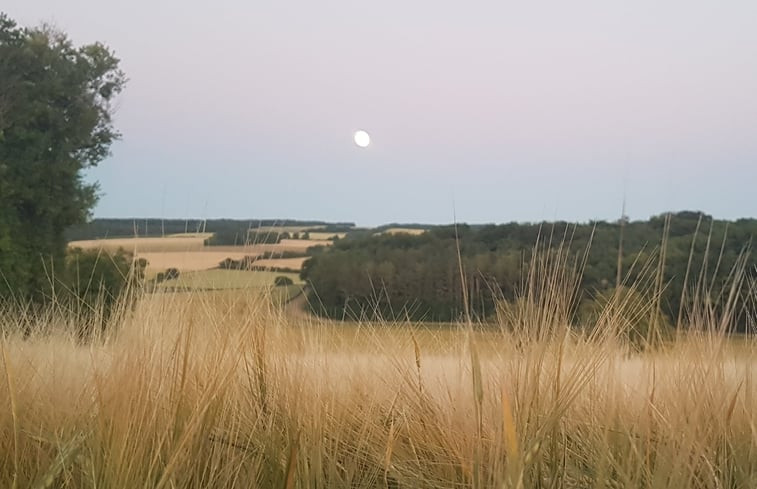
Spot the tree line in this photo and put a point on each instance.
(419, 277)
(229, 231)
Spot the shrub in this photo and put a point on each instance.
(97, 286)
(281, 281)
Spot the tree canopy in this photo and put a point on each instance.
(419, 276)
(56, 120)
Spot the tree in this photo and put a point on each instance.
(55, 122)
(171, 274)
(384, 275)
(282, 281)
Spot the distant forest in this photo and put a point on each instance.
(127, 228)
(418, 277)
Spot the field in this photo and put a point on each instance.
(281, 263)
(187, 253)
(252, 291)
(189, 260)
(229, 389)
(219, 379)
(299, 244)
(411, 231)
(319, 236)
(176, 242)
(283, 229)
(225, 279)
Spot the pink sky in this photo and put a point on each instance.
(509, 111)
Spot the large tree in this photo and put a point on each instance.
(55, 122)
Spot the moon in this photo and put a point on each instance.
(362, 138)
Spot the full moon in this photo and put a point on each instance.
(362, 139)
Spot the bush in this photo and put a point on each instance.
(171, 274)
(281, 281)
(96, 286)
(246, 263)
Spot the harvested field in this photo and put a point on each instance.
(411, 231)
(204, 260)
(300, 244)
(225, 279)
(281, 263)
(286, 245)
(321, 236)
(283, 229)
(177, 242)
(189, 260)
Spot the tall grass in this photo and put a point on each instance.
(226, 390)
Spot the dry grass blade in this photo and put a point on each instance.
(291, 468)
(13, 409)
(202, 390)
(66, 454)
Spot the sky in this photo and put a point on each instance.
(491, 111)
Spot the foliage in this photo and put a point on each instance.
(282, 281)
(245, 263)
(419, 276)
(171, 274)
(56, 122)
(233, 231)
(95, 285)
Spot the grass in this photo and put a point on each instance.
(225, 279)
(228, 389)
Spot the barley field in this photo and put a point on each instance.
(227, 389)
